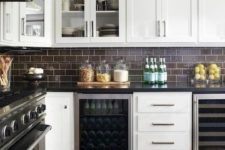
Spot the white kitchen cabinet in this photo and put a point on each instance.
(36, 22)
(162, 120)
(162, 21)
(88, 21)
(9, 25)
(60, 115)
(211, 21)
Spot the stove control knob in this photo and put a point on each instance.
(38, 109)
(6, 132)
(33, 115)
(25, 119)
(14, 126)
(43, 107)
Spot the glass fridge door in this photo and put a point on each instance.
(211, 124)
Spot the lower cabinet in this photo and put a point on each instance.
(162, 121)
(60, 115)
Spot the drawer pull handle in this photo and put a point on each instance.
(163, 124)
(163, 143)
(166, 105)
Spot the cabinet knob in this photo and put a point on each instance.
(65, 107)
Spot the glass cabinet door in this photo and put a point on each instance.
(33, 19)
(108, 20)
(36, 21)
(72, 21)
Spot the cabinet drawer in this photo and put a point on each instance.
(163, 102)
(164, 122)
(161, 141)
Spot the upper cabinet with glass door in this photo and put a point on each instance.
(36, 21)
(9, 19)
(84, 21)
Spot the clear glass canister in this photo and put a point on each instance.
(86, 72)
(103, 72)
(200, 73)
(214, 73)
(120, 73)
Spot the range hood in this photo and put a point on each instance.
(16, 0)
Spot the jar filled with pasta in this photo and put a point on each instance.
(86, 72)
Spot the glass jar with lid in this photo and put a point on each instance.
(103, 72)
(120, 72)
(86, 72)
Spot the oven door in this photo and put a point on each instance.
(34, 139)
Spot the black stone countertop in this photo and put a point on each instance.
(137, 87)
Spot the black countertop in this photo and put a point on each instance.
(137, 87)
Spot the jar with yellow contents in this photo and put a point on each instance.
(200, 73)
(103, 72)
(214, 73)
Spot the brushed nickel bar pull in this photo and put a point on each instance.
(163, 124)
(164, 105)
(92, 28)
(163, 143)
(23, 26)
(86, 24)
(164, 22)
(158, 28)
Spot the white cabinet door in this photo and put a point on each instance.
(179, 20)
(162, 21)
(143, 20)
(36, 22)
(211, 21)
(9, 11)
(60, 115)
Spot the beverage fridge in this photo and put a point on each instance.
(103, 121)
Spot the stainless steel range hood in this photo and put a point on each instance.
(16, 0)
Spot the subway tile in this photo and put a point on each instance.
(62, 64)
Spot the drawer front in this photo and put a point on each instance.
(164, 122)
(160, 141)
(163, 102)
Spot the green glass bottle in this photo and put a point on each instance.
(165, 70)
(146, 72)
(152, 72)
(161, 80)
(156, 71)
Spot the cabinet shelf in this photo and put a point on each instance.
(107, 12)
(72, 12)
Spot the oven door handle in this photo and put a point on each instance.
(33, 138)
(46, 128)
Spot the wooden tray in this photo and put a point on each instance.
(103, 83)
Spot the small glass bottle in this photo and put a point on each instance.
(152, 72)
(146, 72)
(165, 71)
(156, 70)
(86, 107)
(161, 72)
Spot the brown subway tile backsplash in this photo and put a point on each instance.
(62, 64)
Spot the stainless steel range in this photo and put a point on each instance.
(22, 116)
